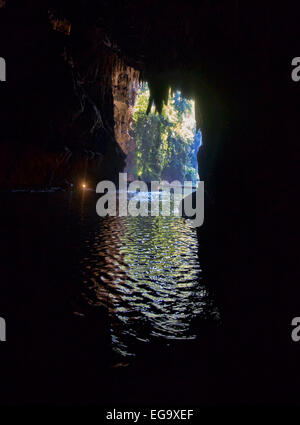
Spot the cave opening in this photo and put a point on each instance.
(165, 144)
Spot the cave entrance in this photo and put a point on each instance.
(164, 146)
(149, 274)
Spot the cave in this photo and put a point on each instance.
(70, 77)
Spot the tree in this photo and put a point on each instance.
(166, 142)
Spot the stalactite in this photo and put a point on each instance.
(59, 24)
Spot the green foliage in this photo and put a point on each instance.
(165, 142)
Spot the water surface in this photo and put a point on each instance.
(146, 271)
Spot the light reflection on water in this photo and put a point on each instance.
(146, 271)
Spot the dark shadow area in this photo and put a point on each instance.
(59, 337)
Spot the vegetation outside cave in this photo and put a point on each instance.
(166, 143)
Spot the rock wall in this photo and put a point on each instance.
(125, 83)
(57, 117)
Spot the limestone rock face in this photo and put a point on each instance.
(125, 84)
(57, 117)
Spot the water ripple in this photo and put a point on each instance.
(146, 271)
